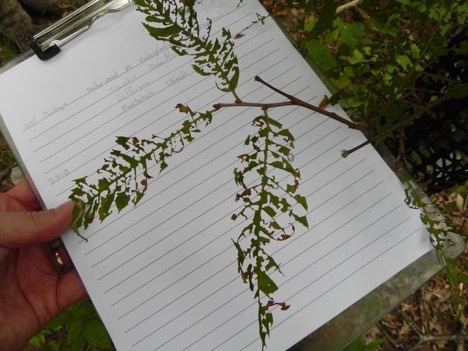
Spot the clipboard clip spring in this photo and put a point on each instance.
(46, 44)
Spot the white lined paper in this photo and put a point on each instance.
(163, 276)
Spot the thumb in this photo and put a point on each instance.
(29, 228)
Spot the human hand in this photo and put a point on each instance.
(32, 289)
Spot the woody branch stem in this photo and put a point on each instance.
(298, 102)
(264, 106)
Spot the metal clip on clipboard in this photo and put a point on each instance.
(46, 44)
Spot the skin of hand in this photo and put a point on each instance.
(32, 288)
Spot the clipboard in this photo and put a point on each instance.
(48, 43)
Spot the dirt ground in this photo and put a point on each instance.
(425, 321)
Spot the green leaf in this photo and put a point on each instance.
(104, 210)
(122, 200)
(267, 322)
(123, 141)
(75, 329)
(285, 166)
(77, 192)
(274, 123)
(161, 33)
(138, 196)
(320, 55)
(96, 335)
(200, 70)
(302, 201)
(234, 79)
(265, 284)
(460, 90)
(415, 51)
(404, 61)
(303, 220)
(103, 184)
(132, 162)
(269, 211)
(286, 134)
(325, 21)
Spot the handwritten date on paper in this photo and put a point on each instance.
(58, 177)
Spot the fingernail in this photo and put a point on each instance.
(65, 207)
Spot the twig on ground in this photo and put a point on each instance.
(346, 6)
